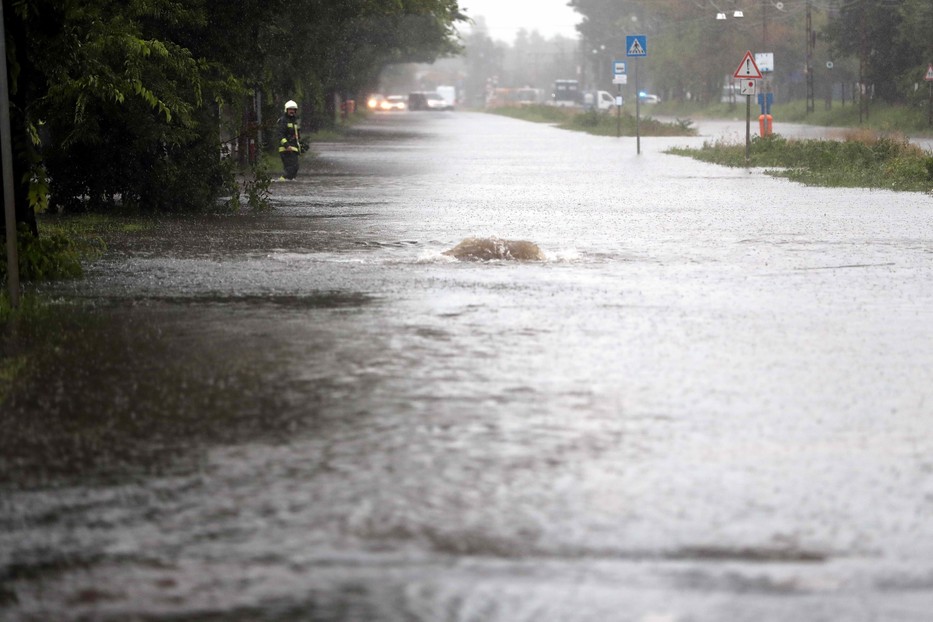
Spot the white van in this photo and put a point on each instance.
(600, 100)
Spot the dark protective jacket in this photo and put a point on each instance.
(289, 134)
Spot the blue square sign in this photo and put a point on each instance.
(636, 45)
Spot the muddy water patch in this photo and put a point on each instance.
(144, 388)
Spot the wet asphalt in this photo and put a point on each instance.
(710, 401)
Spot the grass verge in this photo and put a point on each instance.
(595, 122)
(861, 160)
(885, 118)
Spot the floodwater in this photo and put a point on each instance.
(713, 401)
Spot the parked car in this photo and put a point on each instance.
(427, 100)
(394, 102)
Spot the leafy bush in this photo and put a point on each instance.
(255, 184)
(45, 258)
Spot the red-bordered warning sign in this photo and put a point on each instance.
(929, 76)
(747, 68)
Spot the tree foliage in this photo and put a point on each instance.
(690, 51)
(120, 102)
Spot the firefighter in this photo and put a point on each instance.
(289, 140)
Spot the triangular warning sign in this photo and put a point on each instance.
(748, 68)
(636, 49)
(929, 77)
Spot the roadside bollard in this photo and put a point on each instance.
(765, 127)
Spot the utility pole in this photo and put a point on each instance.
(811, 45)
(12, 257)
(764, 25)
(862, 65)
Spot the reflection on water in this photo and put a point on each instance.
(707, 404)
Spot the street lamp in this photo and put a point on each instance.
(721, 15)
(597, 64)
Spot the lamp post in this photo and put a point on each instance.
(598, 53)
(722, 16)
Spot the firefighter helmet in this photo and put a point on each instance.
(291, 104)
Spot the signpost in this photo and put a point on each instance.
(619, 77)
(636, 46)
(748, 72)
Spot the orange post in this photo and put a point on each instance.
(765, 126)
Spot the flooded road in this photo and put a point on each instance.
(713, 400)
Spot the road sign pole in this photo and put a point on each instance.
(637, 46)
(637, 112)
(619, 113)
(748, 71)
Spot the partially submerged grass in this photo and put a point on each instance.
(861, 159)
(19, 339)
(596, 122)
(909, 119)
(536, 113)
(90, 227)
(64, 243)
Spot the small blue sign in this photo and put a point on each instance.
(618, 67)
(636, 45)
(765, 100)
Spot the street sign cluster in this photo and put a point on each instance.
(619, 75)
(747, 73)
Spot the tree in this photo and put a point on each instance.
(118, 101)
(871, 30)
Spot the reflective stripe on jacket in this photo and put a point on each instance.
(289, 134)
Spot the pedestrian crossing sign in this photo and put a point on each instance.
(636, 45)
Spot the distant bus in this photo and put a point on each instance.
(567, 93)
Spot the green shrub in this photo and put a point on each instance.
(590, 118)
(44, 258)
